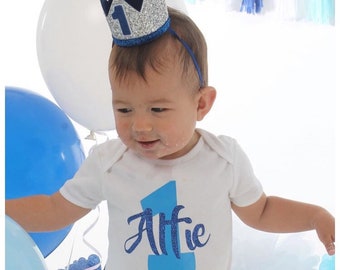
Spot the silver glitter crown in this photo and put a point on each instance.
(135, 22)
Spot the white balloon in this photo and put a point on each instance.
(73, 46)
(177, 4)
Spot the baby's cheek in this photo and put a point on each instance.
(123, 129)
(177, 141)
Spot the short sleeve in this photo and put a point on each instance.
(85, 189)
(246, 188)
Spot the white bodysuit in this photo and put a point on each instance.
(167, 214)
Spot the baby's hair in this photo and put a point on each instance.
(157, 53)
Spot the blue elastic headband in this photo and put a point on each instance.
(187, 47)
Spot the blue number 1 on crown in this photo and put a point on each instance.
(119, 14)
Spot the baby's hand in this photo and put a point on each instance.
(324, 224)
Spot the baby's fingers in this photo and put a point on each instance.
(330, 247)
(328, 240)
(325, 228)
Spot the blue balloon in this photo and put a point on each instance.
(42, 151)
(21, 251)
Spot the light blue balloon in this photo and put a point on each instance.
(327, 263)
(21, 251)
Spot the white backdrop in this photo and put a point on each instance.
(276, 83)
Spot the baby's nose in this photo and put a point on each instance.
(142, 124)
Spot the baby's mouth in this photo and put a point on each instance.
(148, 144)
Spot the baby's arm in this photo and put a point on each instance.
(274, 214)
(44, 213)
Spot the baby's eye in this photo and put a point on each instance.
(124, 110)
(158, 110)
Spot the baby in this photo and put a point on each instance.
(170, 187)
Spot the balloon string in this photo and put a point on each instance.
(95, 267)
(71, 253)
(87, 243)
(88, 230)
(92, 136)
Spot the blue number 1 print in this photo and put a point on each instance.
(163, 201)
(119, 14)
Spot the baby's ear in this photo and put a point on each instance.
(206, 100)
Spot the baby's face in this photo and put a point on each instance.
(157, 118)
